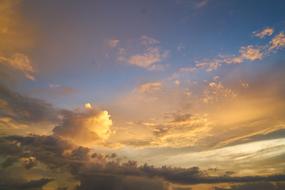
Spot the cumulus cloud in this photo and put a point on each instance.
(87, 128)
(264, 32)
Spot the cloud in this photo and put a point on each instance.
(113, 43)
(55, 90)
(264, 32)
(148, 59)
(246, 53)
(86, 128)
(180, 130)
(19, 62)
(147, 55)
(24, 109)
(251, 53)
(217, 92)
(277, 41)
(15, 39)
(106, 171)
(149, 87)
(33, 184)
(201, 3)
(255, 186)
(148, 41)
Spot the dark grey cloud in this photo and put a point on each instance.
(25, 109)
(29, 185)
(107, 171)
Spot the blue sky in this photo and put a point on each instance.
(71, 39)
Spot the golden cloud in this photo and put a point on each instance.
(15, 38)
(87, 128)
(19, 62)
(277, 42)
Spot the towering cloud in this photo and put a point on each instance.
(86, 128)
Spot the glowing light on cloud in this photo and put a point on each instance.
(88, 106)
(88, 128)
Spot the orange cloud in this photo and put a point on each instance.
(87, 128)
(277, 42)
(21, 63)
(263, 33)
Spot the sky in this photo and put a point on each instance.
(165, 94)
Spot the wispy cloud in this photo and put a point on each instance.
(15, 40)
(148, 54)
(20, 62)
(263, 33)
(277, 41)
(149, 87)
(246, 53)
(112, 43)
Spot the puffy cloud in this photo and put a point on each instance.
(277, 42)
(251, 53)
(263, 33)
(87, 128)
